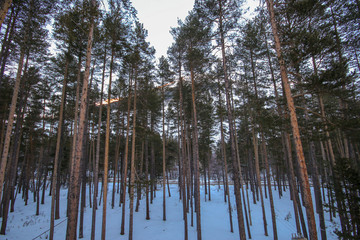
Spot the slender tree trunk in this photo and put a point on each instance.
(163, 154)
(4, 156)
(241, 176)
(183, 153)
(139, 177)
(295, 128)
(57, 151)
(273, 215)
(147, 176)
(40, 167)
(292, 181)
(12, 168)
(107, 143)
(122, 232)
(75, 133)
(116, 165)
(152, 175)
(132, 166)
(74, 188)
(196, 159)
(97, 159)
(258, 177)
(223, 154)
(236, 179)
(209, 177)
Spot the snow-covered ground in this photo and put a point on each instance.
(24, 224)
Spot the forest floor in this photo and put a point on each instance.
(23, 224)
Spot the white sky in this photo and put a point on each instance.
(158, 16)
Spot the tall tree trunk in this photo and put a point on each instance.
(147, 175)
(258, 177)
(196, 158)
(12, 168)
(76, 116)
(163, 153)
(10, 122)
(74, 188)
(97, 159)
(140, 177)
(295, 128)
(236, 179)
(152, 175)
(84, 164)
(107, 143)
(5, 152)
(132, 165)
(267, 167)
(256, 147)
(223, 155)
(116, 165)
(57, 151)
(336, 178)
(124, 176)
(183, 153)
(241, 175)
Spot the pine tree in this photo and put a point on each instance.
(295, 127)
(75, 186)
(164, 74)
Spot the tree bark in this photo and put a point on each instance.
(223, 155)
(97, 159)
(122, 231)
(183, 153)
(273, 215)
(4, 156)
(107, 143)
(236, 179)
(132, 165)
(295, 128)
(163, 153)
(3, 10)
(258, 177)
(74, 188)
(57, 151)
(196, 159)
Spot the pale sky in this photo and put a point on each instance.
(158, 16)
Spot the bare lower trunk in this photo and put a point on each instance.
(273, 215)
(57, 152)
(223, 154)
(183, 154)
(97, 159)
(124, 176)
(196, 159)
(258, 177)
(163, 156)
(4, 156)
(132, 166)
(107, 143)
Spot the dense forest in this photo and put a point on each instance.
(271, 101)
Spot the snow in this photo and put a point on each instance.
(24, 224)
